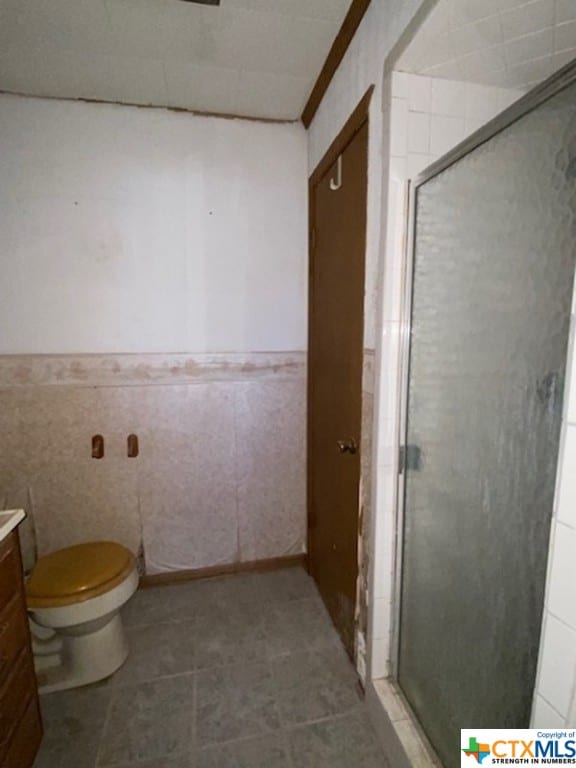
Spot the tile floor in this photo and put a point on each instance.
(244, 671)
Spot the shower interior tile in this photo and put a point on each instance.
(381, 618)
(398, 170)
(481, 102)
(419, 93)
(448, 97)
(418, 132)
(446, 133)
(566, 511)
(557, 664)
(572, 390)
(545, 716)
(417, 163)
(562, 585)
(379, 662)
(399, 85)
(399, 128)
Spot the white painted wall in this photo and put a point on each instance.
(145, 230)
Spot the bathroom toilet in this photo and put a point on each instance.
(74, 597)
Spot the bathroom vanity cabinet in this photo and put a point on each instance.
(20, 723)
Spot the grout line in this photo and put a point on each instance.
(538, 693)
(560, 620)
(114, 687)
(282, 730)
(103, 730)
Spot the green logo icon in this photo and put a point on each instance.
(474, 749)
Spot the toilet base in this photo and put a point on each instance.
(80, 655)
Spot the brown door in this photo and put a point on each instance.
(337, 253)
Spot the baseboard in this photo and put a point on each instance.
(178, 577)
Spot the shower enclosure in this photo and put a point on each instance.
(492, 270)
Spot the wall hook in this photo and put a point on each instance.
(337, 182)
(132, 449)
(97, 447)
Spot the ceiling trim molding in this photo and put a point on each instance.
(183, 110)
(339, 47)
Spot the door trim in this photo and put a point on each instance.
(358, 118)
(533, 99)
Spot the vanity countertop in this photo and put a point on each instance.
(9, 520)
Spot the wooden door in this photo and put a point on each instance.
(337, 254)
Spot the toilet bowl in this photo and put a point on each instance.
(74, 597)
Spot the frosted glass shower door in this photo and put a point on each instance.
(494, 253)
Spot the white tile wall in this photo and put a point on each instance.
(419, 93)
(486, 41)
(567, 489)
(558, 665)
(571, 413)
(446, 133)
(430, 116)
(448, 96)
(418, 133)
(399, 128)
(562, 582)
(545, 715)
(555, 700)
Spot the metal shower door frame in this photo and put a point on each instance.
(528, 103)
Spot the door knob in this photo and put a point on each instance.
(347, 446)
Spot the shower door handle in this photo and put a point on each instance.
(410, 458)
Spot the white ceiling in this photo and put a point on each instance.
(257, 58)
(507, 43)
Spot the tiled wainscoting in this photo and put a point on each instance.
(220, 477)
